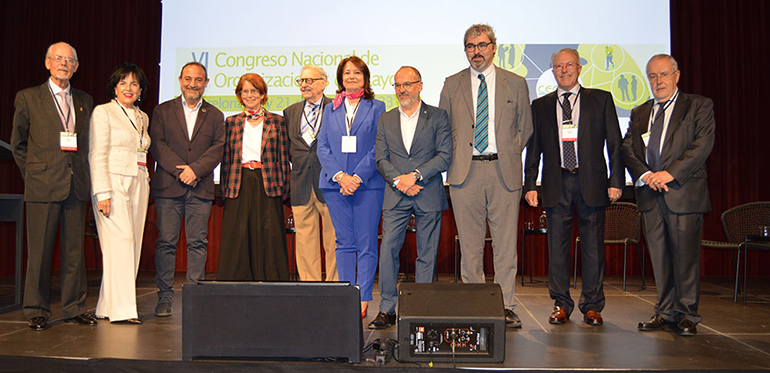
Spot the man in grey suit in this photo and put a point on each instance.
(188, 137)
(491, 121)
(572, 124)
(665, 149)
(308, 206)
(49, 141)
(414, 146)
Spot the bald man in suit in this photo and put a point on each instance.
(491, 123)
(50, 145)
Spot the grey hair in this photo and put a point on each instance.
(670, 59)
(479, 29)
(571, 50)
(317, 69)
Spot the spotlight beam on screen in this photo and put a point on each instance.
(276, 38)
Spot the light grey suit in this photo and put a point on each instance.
(430, 153)
(490, 190)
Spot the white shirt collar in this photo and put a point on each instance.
(56, 89)
(416, 112)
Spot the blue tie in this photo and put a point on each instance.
(310, 115)
(653, 146)
(480, 136)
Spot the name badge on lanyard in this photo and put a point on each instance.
(348, 144)
(646, 138)
(68, 141)
(569, 132)
(141, 157)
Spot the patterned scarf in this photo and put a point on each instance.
(253, 115)
(349, 96)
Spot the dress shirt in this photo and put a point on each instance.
(489, 76)
(666, 118)
(314, 127)
(409, 126)
(55, 89)
(574, 100)
(191, 115)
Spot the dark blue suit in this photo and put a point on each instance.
(356, 218)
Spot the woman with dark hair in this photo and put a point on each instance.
(255, 181)
(120, 187)
(351, 185)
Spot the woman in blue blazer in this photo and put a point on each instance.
(349, 180)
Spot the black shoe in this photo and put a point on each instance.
(84, 319)
(163, 309)
(656, 323)
(38, 323)
(686, 328)
(383, 320)
(512, 319)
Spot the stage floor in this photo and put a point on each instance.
(731, 336)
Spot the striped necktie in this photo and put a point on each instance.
(481, 136)
(311, 113)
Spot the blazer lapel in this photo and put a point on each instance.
(501, 84)
(79, 118)
(585, 98)
(467, 93)
(202, 112)
(550, 116)
(680, 107)
(422, 123)
(179, 111)
(48, 105)
(363, 109)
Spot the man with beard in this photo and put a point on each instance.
(414, 146)
(491, 121)
(188, 137)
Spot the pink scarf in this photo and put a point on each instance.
(345, 94)
(253, 115)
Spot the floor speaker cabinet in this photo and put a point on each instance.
(446, 322)
(271, 320)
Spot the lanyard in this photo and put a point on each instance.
(350, 120)
(665, 107)
(317, 117)
(67, 118)
(141, 134)
(577, 96)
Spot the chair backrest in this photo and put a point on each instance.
(622, 221)
(743, 220)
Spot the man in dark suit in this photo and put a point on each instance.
(308, 206)
(49, 141)
(188, 138)
(572, 126)
(665, 149)
(491, 121)
(414, 146)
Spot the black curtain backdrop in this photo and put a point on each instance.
(721, 47)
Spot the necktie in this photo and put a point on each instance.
(653, 146)
(568, 147)
(480, 136)
(311, 113)
(65, 112)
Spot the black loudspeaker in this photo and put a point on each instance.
(271, 320)
(445, 322)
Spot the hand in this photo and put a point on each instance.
(531, 198)
(348, 184)
(657, 180)
(411, 192)
(104, 207)
(187, 176)
(405, 182)
(614, 193)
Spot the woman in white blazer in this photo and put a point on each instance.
(120, 190)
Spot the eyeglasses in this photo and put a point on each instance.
(481, 47)
(307, 80)
(654, 77)
(568, 65)
(60, 58)
(406, 85)
(252, 92)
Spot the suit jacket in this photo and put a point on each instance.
(598, 124)
(513, 124)
(360, 163)
(171, 147)
(305, 166)
(114, 142)
(274, 156)
(688, 143)
(431, 153)
(47, 170)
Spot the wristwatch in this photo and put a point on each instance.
(417, 175)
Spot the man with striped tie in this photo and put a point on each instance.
(572, 125)
(303, 121)
(491, 123)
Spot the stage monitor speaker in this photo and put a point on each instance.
(302, 320)
(446, 322)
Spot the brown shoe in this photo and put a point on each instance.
(593, 318)
(558, 316)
